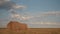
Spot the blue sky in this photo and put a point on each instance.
(35, 13)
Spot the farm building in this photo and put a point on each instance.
(16, 26)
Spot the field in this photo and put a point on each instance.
(32, 31)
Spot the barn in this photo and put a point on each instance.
(16, 26)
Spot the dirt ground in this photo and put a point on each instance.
(32, 31)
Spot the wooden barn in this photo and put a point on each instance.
(16, 26)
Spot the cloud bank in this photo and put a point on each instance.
(8, 4)
(44, 14)
(11, 7)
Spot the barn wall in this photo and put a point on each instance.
(16, 26)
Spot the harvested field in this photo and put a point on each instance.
(32, 31)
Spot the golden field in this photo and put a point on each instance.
(32, 31)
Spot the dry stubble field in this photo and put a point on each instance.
(32, 31)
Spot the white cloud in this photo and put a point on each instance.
(7, 0)
(21, 17)
(45, 23)
(22, 7)
(43, 14)
(27, 18)
(52, 13)
(49, 13)
(15, 16)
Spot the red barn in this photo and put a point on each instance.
(16, 26)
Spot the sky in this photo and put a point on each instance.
(34, 13)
